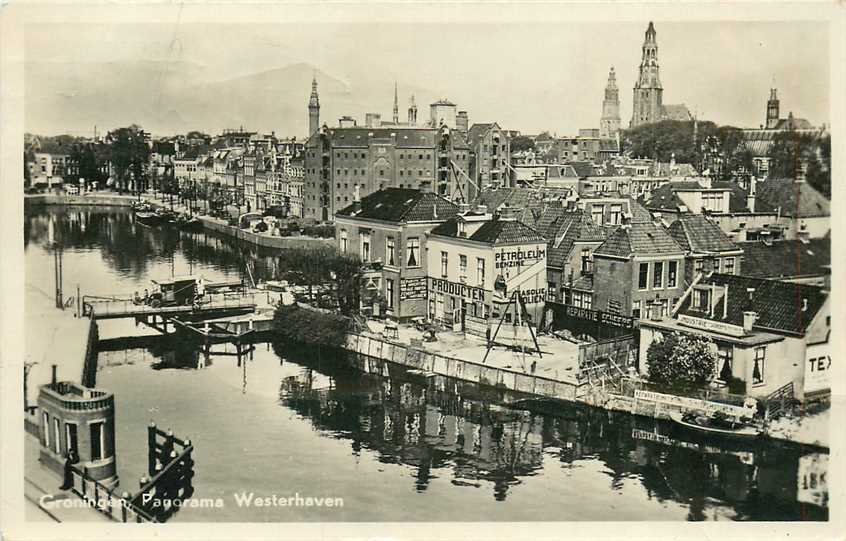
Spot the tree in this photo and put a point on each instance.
(521, 143)
(129, 155)
(791, 150)
(87, 162)
(681, 361)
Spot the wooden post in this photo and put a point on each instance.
(78, 303)
(124, 499)
(151, 448)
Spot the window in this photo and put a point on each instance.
(596, 212)
(389, 251)
(97, 440)
(45, 423)
(365, 246)
(389, 292)
(758, 368)
(724, 373)
(568, 296)
(672, 273)
(697, 265)
(636, 309)
(701, 300)
(71, 439)
(643, 276)
(444, 264)
(658, 275)
(586, 262)
(462, 265)
(480, 271)
(729, 265)
(616, 212)
(57, 436)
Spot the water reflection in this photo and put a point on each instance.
(444, 432)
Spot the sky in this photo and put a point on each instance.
(527, 76)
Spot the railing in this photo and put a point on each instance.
(103, 499)
(89, 365)
(69, 397)
(210, 301)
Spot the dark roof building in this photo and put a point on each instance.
(793, 260)
(401, 205)
(697, 234)
(643, 239)
(781, 307)
(495, 231)
(791, 198)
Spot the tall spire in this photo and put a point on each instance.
(648, 92)
(609, 123)
(313, 108)
(396, 104)
(314, 100)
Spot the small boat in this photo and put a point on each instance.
(148, 218)
(716, 425)
(190, 224)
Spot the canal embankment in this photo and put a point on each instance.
(88, 199)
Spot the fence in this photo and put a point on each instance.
(619, 350)
(103, 499)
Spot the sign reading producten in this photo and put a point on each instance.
(439, 285)
(517, 257)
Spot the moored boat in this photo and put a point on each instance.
(716, 425)
(148, 218)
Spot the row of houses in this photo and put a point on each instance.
(601, 258)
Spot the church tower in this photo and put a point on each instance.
(412, 112)
(647, 104)
(609, 124)
(772, 110)
(396, 106)
(313, 109)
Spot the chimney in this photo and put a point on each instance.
(725, 300)
(462, 122)
(655, 312)
(749, 318)
(750, 198)
(463, 208)
(508, 213)
(804, 304)
(53, 379)
(357, 199)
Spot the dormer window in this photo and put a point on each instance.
(701, 300)
(462, 231)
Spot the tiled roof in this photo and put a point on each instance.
(662, 198)
(796, 199)
(786, 258)
(496, 231)
(698, 234)
(574, 227)
(402, 205)
(779, 304)
(793, 123)
(582, 169)
(639, 239)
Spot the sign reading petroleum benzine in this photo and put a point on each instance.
(817, 368)
(696, 404)
(518, 257)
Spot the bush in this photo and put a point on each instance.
(681, 361)
(304, 326)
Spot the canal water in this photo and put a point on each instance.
(303, 423)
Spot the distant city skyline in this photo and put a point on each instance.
(528, 77)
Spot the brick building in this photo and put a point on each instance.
(707, 248)
(490, 148)
(637, 264)
(390, 227)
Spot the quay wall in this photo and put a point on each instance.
(372, 352)
(110, 200)
(265, 241)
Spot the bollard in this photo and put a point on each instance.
(124, 499)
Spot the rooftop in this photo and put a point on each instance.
(796, 199)
(786, 258)
(781, 306)
(496, 231)
(402, 205)
(639, 239)
(698, 234)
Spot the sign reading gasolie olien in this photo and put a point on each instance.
(817, 368)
